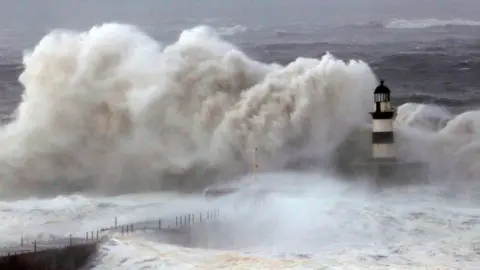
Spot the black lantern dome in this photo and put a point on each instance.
(382, 108)
(381, 93)
(382, 89)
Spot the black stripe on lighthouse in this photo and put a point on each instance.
(385, 137)
(378, 115)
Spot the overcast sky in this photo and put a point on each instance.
(82, 12)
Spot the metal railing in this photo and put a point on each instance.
(97, 236)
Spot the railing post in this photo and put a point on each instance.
(159, 224)
(122, 230)
(97, 235)
(70, 238)
(200, 216)
(116, 223)
(21, 240)
(132, 228)
(91, 238)
(86, 236)
(176, 221)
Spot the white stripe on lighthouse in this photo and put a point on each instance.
(383, 151)
(382, 125)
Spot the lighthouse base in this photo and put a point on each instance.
(391, 172)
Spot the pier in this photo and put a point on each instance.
(72, 252)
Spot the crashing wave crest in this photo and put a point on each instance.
(111, 109)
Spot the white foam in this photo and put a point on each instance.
(422, 116)
(77, 214)
(328, 224)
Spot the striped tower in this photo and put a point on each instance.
(383, 142)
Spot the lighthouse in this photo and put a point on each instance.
(372, 152)
(383, 114)
(384, 166)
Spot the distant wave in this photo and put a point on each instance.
(231, 30)
(427, 23)
(416, 24)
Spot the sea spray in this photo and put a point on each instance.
(112, 110)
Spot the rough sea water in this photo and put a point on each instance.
(130, 110)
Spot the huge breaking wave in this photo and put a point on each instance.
(112, 110)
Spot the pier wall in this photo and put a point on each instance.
(69, 253)
(66, 258)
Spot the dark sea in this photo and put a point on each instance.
(130, 109)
